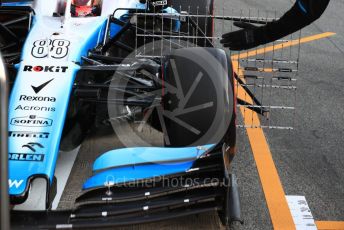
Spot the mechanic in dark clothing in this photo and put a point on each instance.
(303, 13)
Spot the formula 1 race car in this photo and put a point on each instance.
(72, 66)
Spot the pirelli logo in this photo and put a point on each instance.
(23, 134)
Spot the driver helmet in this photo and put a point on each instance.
(85, 8)
(82, 2)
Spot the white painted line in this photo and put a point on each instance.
(301, 213)
(64, 166)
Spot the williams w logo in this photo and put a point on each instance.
(15, 183)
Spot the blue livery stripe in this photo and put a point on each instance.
(19, 3)
(132, 174)
(302, 7)
(135, 156)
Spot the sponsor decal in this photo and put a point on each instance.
(36, 98)
(26, 157)
(159, 3)
(40, 87)
(35, 108)
(57, 48)
(34, 147)
(40, 135)
(15, 183)
(46, 69)
(32, 121)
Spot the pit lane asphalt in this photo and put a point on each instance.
(309, 159)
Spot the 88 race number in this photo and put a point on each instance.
(57, 48)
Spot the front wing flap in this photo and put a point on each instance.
(205, 187)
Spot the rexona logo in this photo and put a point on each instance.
(31, 121)
(15, 183)
(36, 98)
(35, 108)
(47, 69)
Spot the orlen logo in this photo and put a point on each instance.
(25, 157)
(48, 68)
(15, 183)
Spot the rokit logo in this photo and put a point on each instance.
(31, 121)
(35, 108)
(46, 69)
(34, 147)
(36, 98)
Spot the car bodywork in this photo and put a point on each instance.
(50, 59)
(50, 56)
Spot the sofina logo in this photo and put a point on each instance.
(31, 121)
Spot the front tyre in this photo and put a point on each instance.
(198, 102)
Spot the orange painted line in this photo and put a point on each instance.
(330, 225)
(280, 214)
(267, 70)
(283, 45)
(274, 194)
